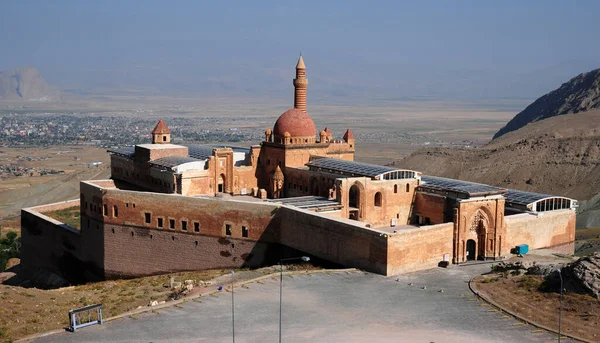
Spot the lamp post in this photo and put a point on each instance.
(560, 307)
(232, 307)
(303, 258)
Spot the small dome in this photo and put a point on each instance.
(268, 131)
(323, 133)
(295, 122)
(287, 134)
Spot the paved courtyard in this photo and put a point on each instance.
(340, 307)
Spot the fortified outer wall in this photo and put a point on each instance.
(419, 248)
(546, 230)
(213, 235)
(343, 241)
(50, 244)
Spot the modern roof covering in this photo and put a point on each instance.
(517, 198)
(201, 152)
(313, 203)
(462, 187)
(172, 161)
(196, 151)
(128, 151)
(353, 169)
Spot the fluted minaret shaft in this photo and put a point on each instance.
(300, 84)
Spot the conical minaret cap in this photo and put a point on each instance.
(300, 64)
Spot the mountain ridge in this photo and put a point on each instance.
(579, 94)
(25, 83)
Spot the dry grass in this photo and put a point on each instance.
(69, 216)
(26, 311)
(520, 294)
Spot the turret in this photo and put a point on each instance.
(161, 133)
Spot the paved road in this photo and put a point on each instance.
(344, 307)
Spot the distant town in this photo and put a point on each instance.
(18, 129)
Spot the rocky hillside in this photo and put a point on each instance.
(580, 94)
(25, 84)
(559, 156)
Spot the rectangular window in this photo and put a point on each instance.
(159, 222)
(184, 225)
(105, 209)
(244, 231)
(227, 229)
(115, 211)
(172, 224)
(148, 217)
(196, 227)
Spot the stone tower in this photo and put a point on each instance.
(161, 133)
(300, 84)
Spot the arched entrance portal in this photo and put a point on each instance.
(221, 184)
(354, 203)
(471, 250)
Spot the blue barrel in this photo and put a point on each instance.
(522, 249)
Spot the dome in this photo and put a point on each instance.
(296, 122)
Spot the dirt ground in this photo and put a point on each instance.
(26, 311)
(17, 192)
(520, 294)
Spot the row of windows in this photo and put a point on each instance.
(161, 223)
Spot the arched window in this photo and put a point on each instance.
(378, 199)
(407, 187)
(395, 188)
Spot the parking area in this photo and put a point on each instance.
(427, 306)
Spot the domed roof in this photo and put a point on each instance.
(296, 122)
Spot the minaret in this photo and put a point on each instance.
(300, 84)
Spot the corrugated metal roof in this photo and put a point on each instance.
(128, 151)
(349, 168)
(172, 161)
(459, 186)
(310, 202)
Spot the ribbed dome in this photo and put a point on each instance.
(296, 122)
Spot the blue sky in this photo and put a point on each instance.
(448, 49)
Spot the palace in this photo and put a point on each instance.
(181, 207)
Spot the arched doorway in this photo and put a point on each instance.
(471, 250)
(221, 183)
(354, 203)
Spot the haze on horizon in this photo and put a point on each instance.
(463, 50)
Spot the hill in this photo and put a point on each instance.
(580, 94)
(25, 84)
(559, 156)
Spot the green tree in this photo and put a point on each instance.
(10, 247)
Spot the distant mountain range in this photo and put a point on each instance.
(580, 94)
(25, 84)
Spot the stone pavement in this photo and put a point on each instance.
(340, 307)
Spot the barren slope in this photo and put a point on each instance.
(559, 155)
(580, 94)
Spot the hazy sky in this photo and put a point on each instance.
(450, 49)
